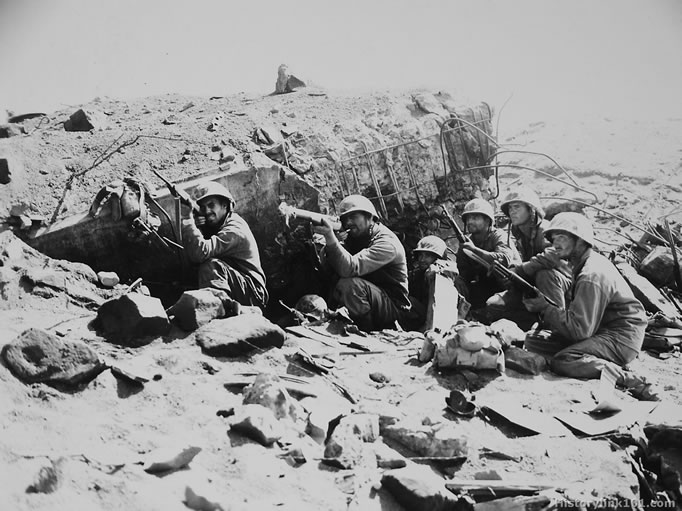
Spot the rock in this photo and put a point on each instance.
(364, 425)
(321, 412)
(417, 488)
(238, 335)
(268, 391)
(561, 206)
(429, 104)
(658, 266)
(5, 172)
(108, 278)
(443, 440)
(287, 82)
(379, 377)
(199, 502)
(48, 479)
(645, 291)
(524, 361)
(19, 208)
(11, 130)
(197, 308)
(39, 356)
(388, 457)
(86, 120)
(133, 319)
(217, 121)
(346, 447)
(259, 423)
(170, 458)
(46, 277)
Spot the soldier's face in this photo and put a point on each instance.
(519, 213)
(356, 223)
(214, 209)
(424, 259)
(563, 244)
(477, 223)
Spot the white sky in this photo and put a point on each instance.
(572, 56)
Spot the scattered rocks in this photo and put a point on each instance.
(133, 319)
(286, 82)
(86, 120)
(238, 335)
(11, 130)
(268, 391)
(443, 440)
(39, 356)
(217, 121)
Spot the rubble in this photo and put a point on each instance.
(417, 488)
(86, 120)
(11, 130)
(170, 458)
(39, 356)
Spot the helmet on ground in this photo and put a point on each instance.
(572, 223)
(431, 244)
(481, 207)
(211, 188)
(354, 203)
(525, 195)
(312, 305)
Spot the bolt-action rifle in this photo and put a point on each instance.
(495, 267)
(179, 193)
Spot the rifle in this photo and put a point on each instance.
(461, 237)
(505, 273)
(289, 212)
(179, 193)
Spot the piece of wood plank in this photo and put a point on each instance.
(532, 420)
(498, 488)
(532, 503)
(599, 424)
(441, 309)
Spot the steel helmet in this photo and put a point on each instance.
(312, 305)
(357, 203)
(431, 244)
(210, 188)
(572, 223)
(525, 195)
(480, 206)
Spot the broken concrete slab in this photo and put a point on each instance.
(446, 440)
(196, 308)
(268, 391)
(85, 120)
(387, 457)
(39, 356)
(258, 423)
(238, 335)
(524, 361)
(286, 82)
(133, 319)
(418, 488)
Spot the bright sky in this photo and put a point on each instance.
(575, 56)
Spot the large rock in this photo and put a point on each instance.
(347, 446)
(196, 308)
(259, 423)
(286, 82)
(85, 120)
(39, 356)
(11, 130)
(237, 335)
(417, 488)
(133, 319)
(5, 172)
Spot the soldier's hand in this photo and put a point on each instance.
(537, 304)
(327, 230)
(549, 258)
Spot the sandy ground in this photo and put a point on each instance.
(100, 435)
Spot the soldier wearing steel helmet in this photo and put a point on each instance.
(603, 322)
(489, 243)
(552, 278)
(370, 263)
(428, 259)
(222, 244)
